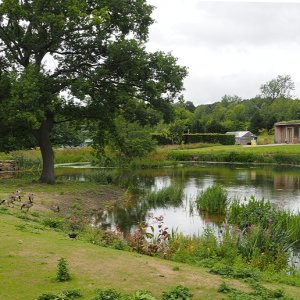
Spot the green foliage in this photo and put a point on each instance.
(47, 296)
(224, 288)
(178, 292)
(68, 134)
(259, 292)
(116, 31)
(103, 177)
(161, 139)
(213, 200)
(53, 223)
(25, 163)
(176, 130)
(62, 270)
(213, 138)
(165, 196)
(281, 87)
(253, 211)
(64, 295)
(108, 294)
(131, 139)
(141, 295)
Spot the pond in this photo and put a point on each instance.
(281, 185)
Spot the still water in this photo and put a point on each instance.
(281, 185)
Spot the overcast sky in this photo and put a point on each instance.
(229, 47)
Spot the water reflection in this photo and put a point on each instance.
(280, 185)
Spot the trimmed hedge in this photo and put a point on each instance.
(182, 155)
(190, 138)
(211, 138)
(162, 140)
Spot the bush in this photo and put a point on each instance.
(53, 223)
(108, 294)
(213, 200)
(47, 296)
(62, 270)
(179, 292)
(142, 295)
(64, 295)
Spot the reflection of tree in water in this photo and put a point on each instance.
(130, 213)
(124, 217)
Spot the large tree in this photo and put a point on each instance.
(280, 87)
(69, 59)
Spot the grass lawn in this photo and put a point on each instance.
(278, 154)
(269, 149)
(28, 262)
(29, 251)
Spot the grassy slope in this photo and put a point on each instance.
(29, 255)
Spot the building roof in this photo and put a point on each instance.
(293, 122)
(240, 134)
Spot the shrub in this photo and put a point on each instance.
(224, 288)
(108, 294)
(72, 294)
(213, 200)
(179, 292)
(47, 296)
(142, 295)
(64, 295)
(62, 270)
(53, 223)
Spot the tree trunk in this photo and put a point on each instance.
(43, 138)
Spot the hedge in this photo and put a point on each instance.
(211, 138)
(162, 140)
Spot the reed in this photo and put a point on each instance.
(213, 200)
(245, 213)
(166, 196)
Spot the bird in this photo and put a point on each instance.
(26, 205)
(55, 208)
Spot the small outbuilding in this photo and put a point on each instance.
(243, 137)
(287, 132)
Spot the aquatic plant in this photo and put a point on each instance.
(213, 200)
(244, 213)
(162, 198)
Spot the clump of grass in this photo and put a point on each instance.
(53, 223)
(213, 200)
(169, 195)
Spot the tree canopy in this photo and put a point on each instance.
(280, 87)
(77, 59)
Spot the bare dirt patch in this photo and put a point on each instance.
(89, 202)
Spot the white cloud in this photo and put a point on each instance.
(229, 47)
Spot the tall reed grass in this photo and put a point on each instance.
(166, 196)
(213, 200)
(253, 211)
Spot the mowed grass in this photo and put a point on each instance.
(28, 261)
(270, 149)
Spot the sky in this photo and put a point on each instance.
(229, 48)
